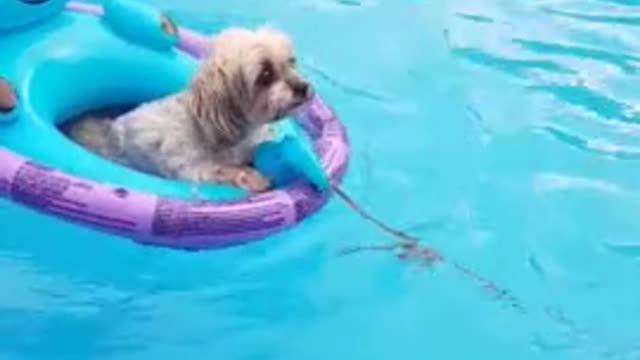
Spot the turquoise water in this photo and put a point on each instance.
(505, 134)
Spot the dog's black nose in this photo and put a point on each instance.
(301, 89)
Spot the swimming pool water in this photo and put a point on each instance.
(505, 134)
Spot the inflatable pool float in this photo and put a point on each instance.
(60, 59)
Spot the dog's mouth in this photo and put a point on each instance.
(279, 116)
(297, 106)
(292, 110)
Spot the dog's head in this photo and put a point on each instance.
(250, 79)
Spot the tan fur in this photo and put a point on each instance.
(95, 132)
(209, 131)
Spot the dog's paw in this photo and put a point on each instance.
(243, 177)
(250, 180)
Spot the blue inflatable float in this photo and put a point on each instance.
(60, 59)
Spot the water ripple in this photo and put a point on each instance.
(590, 99)
(475, 18)
(550, 182)
(343, 85)
(350, 2)
(510, 66)
(597, 146)
(629, 20)
(584, 74)
(625, 62)
(629, 249)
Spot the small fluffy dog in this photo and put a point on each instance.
(209, 131)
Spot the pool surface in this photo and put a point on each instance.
(504, 134)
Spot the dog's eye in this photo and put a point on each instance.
(292, 61)
(267, 75)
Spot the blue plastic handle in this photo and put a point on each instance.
(289, 157)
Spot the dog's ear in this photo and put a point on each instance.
(214, 103)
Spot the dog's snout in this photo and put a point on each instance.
(301, 89)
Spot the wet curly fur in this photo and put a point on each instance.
(209, 131)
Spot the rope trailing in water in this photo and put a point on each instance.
(409, 248)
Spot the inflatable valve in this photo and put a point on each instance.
(289, 157)
(8, 102)
(141, 24)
